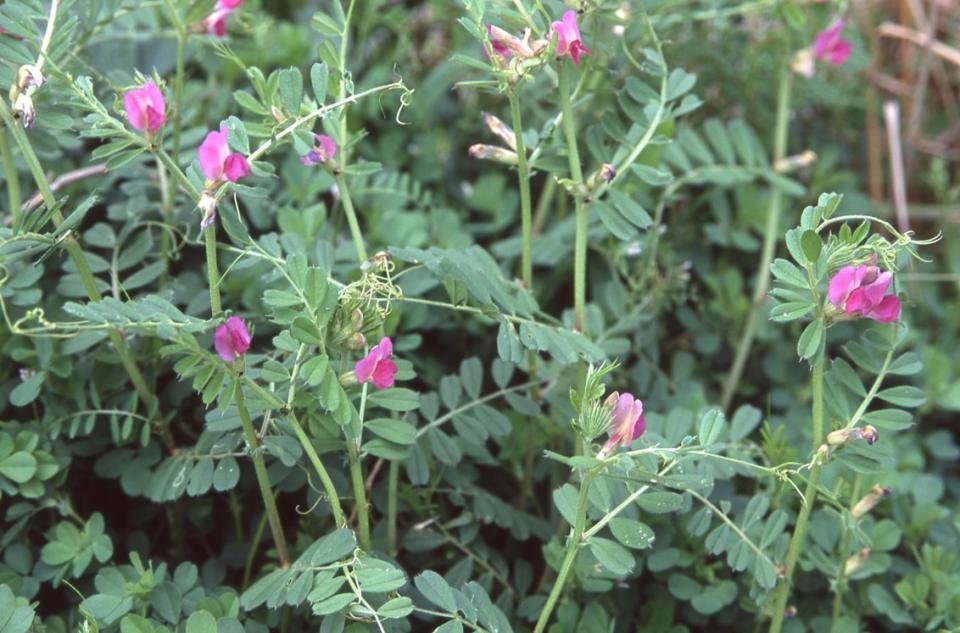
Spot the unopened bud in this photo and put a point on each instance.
(802, 63)
(356, 319)
(348, 379)
(277, 114)
(502, 39)
(797, 161)
(501, 129)
(494, 153)
(868, 433)
(29, 76)
(357, 341)
(855, 562)
(790, 612)
(870, 501)
(208, 206)
(23, 106)
(602, 176)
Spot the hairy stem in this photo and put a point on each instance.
(269, 502)
(13, 181)
(328, 487)
(356, 477)
(769, 244)
(782, 593)
(351, 214)
(523, 179)
(392, 486)
(213, 269)
(573, 544)
(576, 174)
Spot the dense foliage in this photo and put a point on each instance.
(486, 315)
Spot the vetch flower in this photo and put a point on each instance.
(231, 339)
(829, 45)
(322, 153)
(568, 37)
(860, 291)
(377, 366)
(218, 162)
(146, 108)
(627, 422)
(216, 22)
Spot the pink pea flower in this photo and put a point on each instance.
(216, 22)
(146, 108)
(377, 366)
(231, 339)
(568, 37)
(323, 152)
(860, 291)
(218, 162)
(627, 423)
(830, 45)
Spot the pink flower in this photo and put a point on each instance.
(830, 45)
(498, 41)
(568, 38)
(376, 366)
(231, 339)
(627, 423)
(146, 108)
(860, 291)
(324, 151)
(216, 22)
(218, 162)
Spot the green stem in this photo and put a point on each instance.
(356, 478)
(178, 90)
(799, 537)
(580, 243)
(769, 244)
(526, 207)
(573, 544)
(13, 181)
(252, 552)
(76, 255)
(392, 485)
(213, 271)
(351, 214)
(263, 480)
(325, 479)
(838, 583)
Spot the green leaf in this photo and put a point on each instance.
(811, 340)
(396, 431)
(201, 622)
(28, 390)
(903, 396)
(395, 399)
(319, 79)
(435, 589)
(811, 245)
(711, 426)
(615, 557)
(633, 534)
(396, 608)
(660, 502)
(334, 603)
(745, 420)
(19, 467)
(333, 547)
(291, 90)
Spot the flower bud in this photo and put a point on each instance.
(494, 153)
(870, 501)
(29, 76)
(868, 433)
(500, 129)
(348, 379)
(855, 562)
(208, 205)
(357, 341)
(23, 106)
